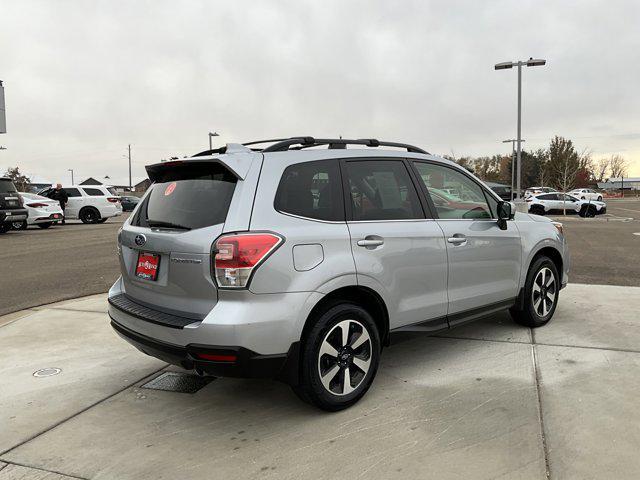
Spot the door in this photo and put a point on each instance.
(483, 260)
(74, 204)
(398, 251)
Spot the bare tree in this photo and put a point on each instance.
(618, 166)
(600, 169)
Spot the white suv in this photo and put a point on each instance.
(90, 203)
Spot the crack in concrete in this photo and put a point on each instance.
(8, 462)
(537, 378)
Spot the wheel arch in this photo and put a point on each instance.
(546, 251)
(363, 296)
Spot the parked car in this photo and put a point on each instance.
(91, 204)
(11, 206)
(561, 202)
(297, 263)
(537, 191)
(129, 203)
(503, 191)
(586, 194)
(43, 212)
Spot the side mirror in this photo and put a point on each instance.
(506, 211)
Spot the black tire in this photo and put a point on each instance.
(582, 198)
(538, 313)
(19, 225)
(45, 224)
(599, 198)
(588, 211)
(5, 227)
(328, 329)
(537, 210)
(89, 215)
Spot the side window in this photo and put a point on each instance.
(312, 190)
(93, 192)
(72, 192)
(382, 190)
(548, 196)
(454, 195)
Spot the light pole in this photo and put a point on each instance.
(214, 134)
(71, 170)
(513, 161)
(504, 65)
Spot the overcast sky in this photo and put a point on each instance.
(84, 79)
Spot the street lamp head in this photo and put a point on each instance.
(503, 65)
(535, 62)
(214, 134)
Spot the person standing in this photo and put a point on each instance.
(61, 196)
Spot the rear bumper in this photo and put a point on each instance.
(241, 363)
(13, 215)
(54, 217)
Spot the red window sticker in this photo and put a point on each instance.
(170, 188)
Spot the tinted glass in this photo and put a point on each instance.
(94, 192)
(382, 190)
(188, 196)
(312, 190)
(6, 186)
(548, 196)
(72, 192)
(455, 195)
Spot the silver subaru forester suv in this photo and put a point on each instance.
(296, 259)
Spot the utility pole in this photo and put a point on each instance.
(214, 134)
(513, 161)
(528, 63)
(129, 167)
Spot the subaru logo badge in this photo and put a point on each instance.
(140, 239)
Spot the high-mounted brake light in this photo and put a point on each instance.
(238, 255)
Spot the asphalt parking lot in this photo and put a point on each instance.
(486, 400)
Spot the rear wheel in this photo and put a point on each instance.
(89, 215)
(45, 224)
(588, 211)
(339, 358)
(599, 198)
(19, 225)
(541, 292)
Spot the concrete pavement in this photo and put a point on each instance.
(486, 400)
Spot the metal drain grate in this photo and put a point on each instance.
(178, 382)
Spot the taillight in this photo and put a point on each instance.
(113, 199)
(238, 255)
(528, 200)
(36, 205)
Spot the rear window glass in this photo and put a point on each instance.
(112, 191)
(6, 186)
(188, 196)
(94, 192)
(312, 190)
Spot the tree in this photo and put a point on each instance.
(22, 182)
(563, 164)
(600, 169)
(617, 166)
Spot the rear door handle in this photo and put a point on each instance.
(370, 242)
(457, 239)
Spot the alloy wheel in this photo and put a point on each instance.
(544, 292)
(345, 357)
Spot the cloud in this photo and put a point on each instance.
(83, 80)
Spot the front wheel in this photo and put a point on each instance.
(340, 357)
(541, 293)
(599, 198)
(5, 227)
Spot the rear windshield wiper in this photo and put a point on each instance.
(159, 223)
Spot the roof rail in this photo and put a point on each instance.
(336, 143)
(299, 143)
